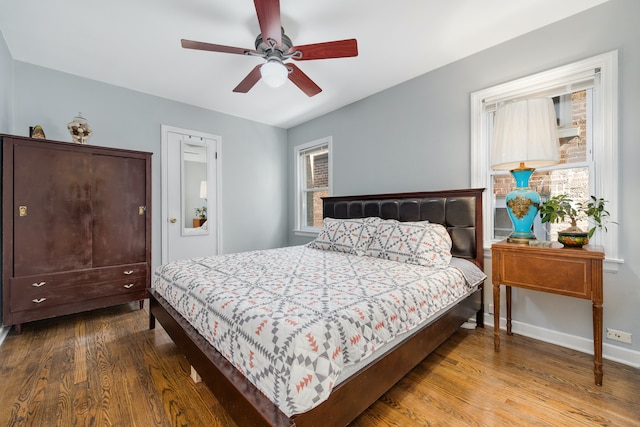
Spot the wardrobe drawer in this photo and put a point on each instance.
(81, 276)
(32, 297)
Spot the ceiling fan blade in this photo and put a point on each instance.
(303, 81)
(190, 44)
(268, 12)
(336, 49)
(248, 82)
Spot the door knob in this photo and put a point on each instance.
(172, 220)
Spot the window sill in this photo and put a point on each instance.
(306, 233)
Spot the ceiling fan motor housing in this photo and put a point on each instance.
(269, 50)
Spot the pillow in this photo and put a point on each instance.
(419, 243)
(346, 235)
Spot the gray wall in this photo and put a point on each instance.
(6, 82)
(416, 136)
(126, 119)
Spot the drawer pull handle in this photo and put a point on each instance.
(128, 272)
(39, 300)
(129, 286)
(37, 285)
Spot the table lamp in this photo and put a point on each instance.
(525, 136)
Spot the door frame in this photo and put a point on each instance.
(164, 178)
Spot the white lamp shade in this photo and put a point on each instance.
(525, 132)
(274, 73)
(203, 190)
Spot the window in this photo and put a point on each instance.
(585, 97)
(313, 182)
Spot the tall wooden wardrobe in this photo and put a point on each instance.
(76, 228)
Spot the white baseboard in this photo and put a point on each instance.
(3, 333)
(610, 352)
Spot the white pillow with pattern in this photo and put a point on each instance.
(420, 243)
(346, 235)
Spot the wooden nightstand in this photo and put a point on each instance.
(557, 270)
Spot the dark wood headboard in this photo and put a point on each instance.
(460, 211)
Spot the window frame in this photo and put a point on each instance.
(300, 206)
(605, 137)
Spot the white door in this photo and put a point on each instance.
(190, 215)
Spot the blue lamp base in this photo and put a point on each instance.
(523, 204)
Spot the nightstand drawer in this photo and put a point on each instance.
(571, 277)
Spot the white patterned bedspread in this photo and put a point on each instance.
(290, 319)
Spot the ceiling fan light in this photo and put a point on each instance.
(274, 73)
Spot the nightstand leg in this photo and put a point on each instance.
(496, 317)
(508, 310)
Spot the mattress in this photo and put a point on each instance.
(293, 319)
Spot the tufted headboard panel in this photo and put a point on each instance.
(460, 211)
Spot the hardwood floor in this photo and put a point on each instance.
(106, 368)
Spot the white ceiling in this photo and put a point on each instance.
(135, 44)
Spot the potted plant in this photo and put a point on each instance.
(559, 207)
(201, 214)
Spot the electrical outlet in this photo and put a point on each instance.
(490, 308)
(619, 335)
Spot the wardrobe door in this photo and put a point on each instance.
(51, 210)
(119, 210)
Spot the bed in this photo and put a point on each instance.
(380, 364)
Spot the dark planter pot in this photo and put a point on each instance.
(573, 239)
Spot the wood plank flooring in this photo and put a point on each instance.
(106, 368)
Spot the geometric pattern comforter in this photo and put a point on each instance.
(291, 319)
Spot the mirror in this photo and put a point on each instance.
(194, 189)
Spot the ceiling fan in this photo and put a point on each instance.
(275, 47)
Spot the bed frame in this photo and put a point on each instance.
(459, 210)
